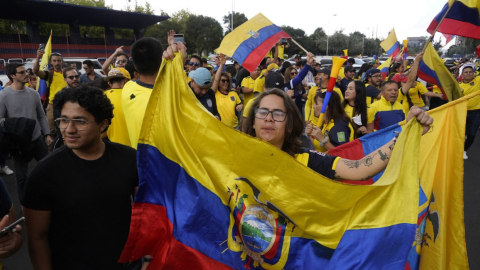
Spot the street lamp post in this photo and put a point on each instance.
(328, 30)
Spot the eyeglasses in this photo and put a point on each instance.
(21, 72)
(194, 64)
(122, 61)
(224, 81)
(73, 77)
(277, 115)
(79, 124)
(293, 73)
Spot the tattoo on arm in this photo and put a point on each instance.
(337, 177)
(383, 156)
(366, 161)
(366, 178)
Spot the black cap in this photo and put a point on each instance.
(325, 71)
(348, 68)
(274, 80)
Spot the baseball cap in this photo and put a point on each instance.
(201, 76)
(274, 80)
(371, 71)
(348, 68)
(117, 73)
(325, 71)
(399, 78)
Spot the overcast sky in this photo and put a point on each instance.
(410, 18)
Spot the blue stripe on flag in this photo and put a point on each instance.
(247, 46)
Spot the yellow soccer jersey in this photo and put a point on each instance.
(248, 82)
(226, 106)
(58, 83)
(472, 87)
(339, 132)
(135, 96)
(384, 114)
(117, 131)
(310, 102)
(281, 50)
(247, 107)
(259, 83)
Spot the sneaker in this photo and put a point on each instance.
(6, 170)
(464, 155)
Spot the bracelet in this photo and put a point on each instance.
(394, 140)
(325, 140)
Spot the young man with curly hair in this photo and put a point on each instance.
(77, 201)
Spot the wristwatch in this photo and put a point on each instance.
(324, 141)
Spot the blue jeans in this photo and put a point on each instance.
(39, 151)
(471, 128)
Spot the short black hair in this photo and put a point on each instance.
(131, 69)
(67, 70)
(196, 57)
(388, 82)
(473, 69)
(116, 80)
(124, 54)
(263, 63)
(89, 63)
(100, 83)
(147, 55)
(232, 70)
(351, 61)
(204, 61)
(92, 99)
(11, 69)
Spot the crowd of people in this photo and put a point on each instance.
(77, 200)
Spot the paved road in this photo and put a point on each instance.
(20, 260)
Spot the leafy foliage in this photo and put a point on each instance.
(202, 34)
(238, 19)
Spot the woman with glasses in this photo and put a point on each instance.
(275, 119)
(336, 128)
(228, 102)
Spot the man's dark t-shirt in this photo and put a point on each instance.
(90, 205)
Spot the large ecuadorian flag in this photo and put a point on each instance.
(390, 44)
(211, 197)
(440, 237)
(431, 69)
(45, 66)
(249, 43)
(462, 19)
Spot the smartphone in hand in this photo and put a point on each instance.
(11, 226)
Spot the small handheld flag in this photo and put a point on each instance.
(405, 43)
(249, 43)
(390, 44)
(44, 66)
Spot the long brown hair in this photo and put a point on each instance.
(335, 108)
(293, 128)
(287, 77)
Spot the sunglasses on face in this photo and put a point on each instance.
(22, 72)
(73, 77)
(122, 61)
(293, 73)
(224, 81)
(194, 64)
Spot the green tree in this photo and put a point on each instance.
(319, 39)
(238, 19)
(177, 22)
(203, 34)
(300, 37)
(355, 43)
(372, 47)
(337, 43)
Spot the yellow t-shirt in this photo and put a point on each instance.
(472, 87)
(58, 83)
(135, 96)
(336, 136)
(415, 94)
(281, 50)
(226, 106)
(247, 107)
(259, 83)
(117, 131)
(248, 82)
(436, 90)
(309, 116)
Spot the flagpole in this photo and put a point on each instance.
(438, 26)
(300, 46)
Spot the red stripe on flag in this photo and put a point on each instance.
(455, 27)
(354, 151)
(256, 56)
(151, 234)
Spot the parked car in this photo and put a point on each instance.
(383, 58)
(449, 62)
(79, 64)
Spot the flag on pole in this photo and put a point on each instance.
(440, 236)
(249, 43)
(432, 70)
(390, 44)
(385, 67)
(197, 209)
(463, 19)
(45, 66)
(405, 43)
(448, 38)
